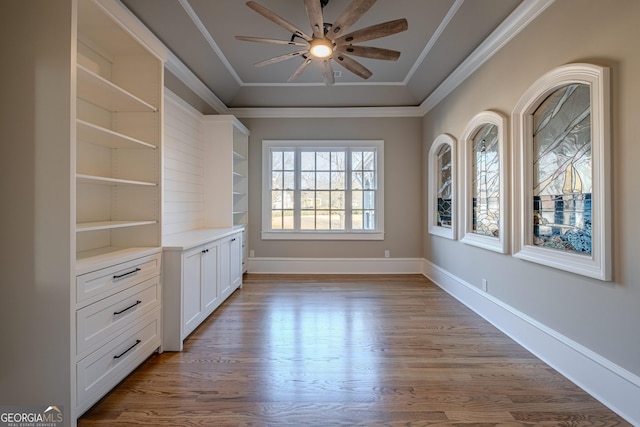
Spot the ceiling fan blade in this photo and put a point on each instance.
(349, 16)
(281, 58)
(327, 72)
(354, 66)
(272, 41)
(370, 52)
(314, 11)
(277, 19)
(300, 69)
(374, 32)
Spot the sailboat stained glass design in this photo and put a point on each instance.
(486, 181)
(562, 171)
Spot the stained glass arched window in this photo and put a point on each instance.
(561, 125)
(442, 187)
(484, 188)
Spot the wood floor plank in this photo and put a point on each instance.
(346, 350)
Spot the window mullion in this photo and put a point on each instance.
(297, 194)
(347, 197)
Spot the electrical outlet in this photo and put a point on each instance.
(484, 285)
(387, 254)
(252, 253)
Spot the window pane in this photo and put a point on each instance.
(323, 199)
(369, 220)
(356, 160)
(444, 187)
(276, 200)
(486, 181)
(323, 160)
(338, 161)
(356, 200)
(356, 181)
(337, 220)
(562, 170)
(323, 220)
(356, 219)
(308, 199)
(288, 199)
(369, 199)
(287, 220)
(368, 180)
(276, 160)
(368, 158)
(337, 200)
(289, 160)
(323, 180)
(276, 220)
(307, 180)
(276, 180)
(308, 160)
(289, 180)
(308, 220)
(337, 180)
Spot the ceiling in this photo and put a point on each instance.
(201, 34)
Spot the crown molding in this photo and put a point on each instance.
(510, 27)
(186, 76)
(134, 27)
(326, 113)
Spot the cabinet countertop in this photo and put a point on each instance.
(190, 239)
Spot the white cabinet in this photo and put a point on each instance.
(118, 176)
(118, 321)
(201, 269)
(200, 277)
(226, 173)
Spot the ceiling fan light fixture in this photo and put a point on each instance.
(321, 48)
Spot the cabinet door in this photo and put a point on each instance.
(235, 261)
(210, 291)
(230, 264)
(225, 270)
(191, 294)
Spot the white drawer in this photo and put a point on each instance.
(101, 283)
(97, 373)
(97, 322)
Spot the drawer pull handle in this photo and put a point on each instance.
(127, 350)
(115, 313)
(120, 276)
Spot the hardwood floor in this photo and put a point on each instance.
(346, 351)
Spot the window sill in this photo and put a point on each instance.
(293, 235)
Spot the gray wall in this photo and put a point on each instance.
(602, 316)
(403, 185)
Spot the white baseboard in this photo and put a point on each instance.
(611, 384)
(335, 265)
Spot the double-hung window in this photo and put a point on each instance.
(323, 190)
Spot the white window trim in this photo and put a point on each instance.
(432, 207)
(268, 234)
(598, 265)
(499, 244)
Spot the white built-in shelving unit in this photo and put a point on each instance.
(227, 175)
(119, 128)
(118, 198)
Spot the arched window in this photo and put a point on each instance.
(442, 187)
(484, 201)
(561, 126)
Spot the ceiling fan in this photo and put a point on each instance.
(329, 41)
